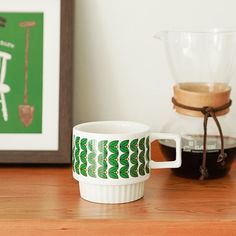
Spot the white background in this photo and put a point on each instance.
(121, 72)
(48, 140)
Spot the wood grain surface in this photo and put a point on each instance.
(45, 200)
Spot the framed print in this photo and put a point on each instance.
(35, 81)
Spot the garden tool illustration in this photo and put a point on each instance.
(26, 111)
(2, 21)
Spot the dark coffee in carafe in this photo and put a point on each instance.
(192, 157)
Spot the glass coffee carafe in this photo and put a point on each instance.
(202, 64)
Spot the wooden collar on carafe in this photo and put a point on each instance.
(201, 95)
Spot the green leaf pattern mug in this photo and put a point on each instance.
(111, 159)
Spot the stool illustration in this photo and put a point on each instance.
(4, 88)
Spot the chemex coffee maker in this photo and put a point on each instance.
(202, 64)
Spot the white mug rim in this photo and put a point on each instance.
(137, 128)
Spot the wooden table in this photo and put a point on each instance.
(46, 200)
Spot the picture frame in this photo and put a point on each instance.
(51, 145)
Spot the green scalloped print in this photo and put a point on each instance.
(75, 148)
(134, 158)
(113, 147)
(92, 171)
(73, 153)
(134, 145)
(128, 158)
(102, 159)
(124, 159)
(102, 173)
(147, 155)
(83, 169)
(92, 145)
(141, 157)
(124, 172)
(82, 156)
(77, 140)
(134, 171)
(113, 159)
(141, 169)
(113, 172)
(91, 158)
(76, 166)
(124, 146)
(76, 159)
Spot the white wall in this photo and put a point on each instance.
(121, 72)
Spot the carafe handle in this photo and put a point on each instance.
(167, 164)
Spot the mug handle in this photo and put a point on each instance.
(167, 164)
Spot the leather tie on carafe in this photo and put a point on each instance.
(208, 111)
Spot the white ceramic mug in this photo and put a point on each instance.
(111, 159)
